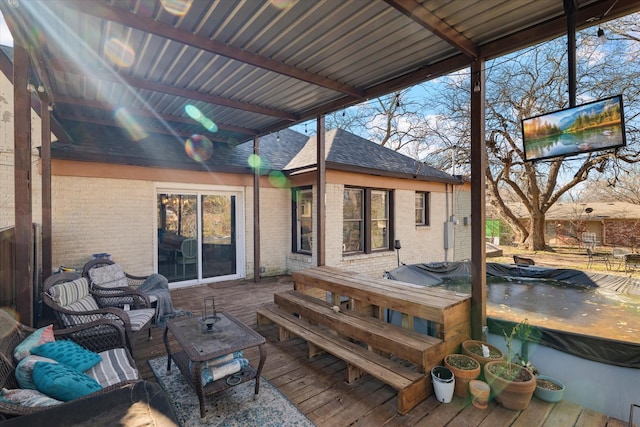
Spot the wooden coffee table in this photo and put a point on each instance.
(227, 336)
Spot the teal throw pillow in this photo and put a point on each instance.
(62, 382)
(24, 370)
(68, 353)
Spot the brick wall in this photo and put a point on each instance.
(95, 215)
(622, 233)
(275, 230)
(419, 244)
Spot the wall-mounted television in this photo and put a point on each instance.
(597, 125)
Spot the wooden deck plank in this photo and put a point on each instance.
(499, 416)
(534, 415)
(326, 389)
(564, 413)
(590, 418)
(443, 414)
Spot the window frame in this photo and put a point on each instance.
(296, 226)
(366, 245)
(425, 217)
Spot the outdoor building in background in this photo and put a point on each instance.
(613, 224)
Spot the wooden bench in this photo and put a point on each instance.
(413, 387)
(449, 310)
(422, 350)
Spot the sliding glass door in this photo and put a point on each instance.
(197, 235)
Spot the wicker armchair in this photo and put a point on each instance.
(117, 295)
(68, 295)
(101, 336)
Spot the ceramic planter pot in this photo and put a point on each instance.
(480, 392)
(514, 395)
(473, 348)
(465, 369)
(443, 383)
(546, 393)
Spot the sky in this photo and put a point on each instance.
(5, 34)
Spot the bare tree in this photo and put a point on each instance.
(529, 83)
(435, 127)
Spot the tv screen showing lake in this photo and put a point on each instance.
(589, 127)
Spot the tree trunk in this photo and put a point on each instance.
(536, 232)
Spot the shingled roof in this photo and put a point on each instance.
(288, 150)
(348, 151)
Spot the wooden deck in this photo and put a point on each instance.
(318, 388)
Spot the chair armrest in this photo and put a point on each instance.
(135, 281)
(117, 297)
(97, 336)
(112, 313)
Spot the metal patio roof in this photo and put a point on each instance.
(257, 66)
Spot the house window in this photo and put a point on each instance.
(303, 215)
(379, 220)
(366, 220)
(422, 208)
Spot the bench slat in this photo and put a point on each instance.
(422, 350)
(412, 386)
(386, 370)
(438, 305)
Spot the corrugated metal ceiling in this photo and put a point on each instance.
(256, 66)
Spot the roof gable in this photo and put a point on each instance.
(353, 152)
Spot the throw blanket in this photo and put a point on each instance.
(158, 286)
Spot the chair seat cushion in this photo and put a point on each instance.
(40, 336)
(68, 353)
(114, 368)
(62, 382)
(139, 318)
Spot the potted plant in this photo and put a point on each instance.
(481, 351)
(465, 369)
(512, 384)
(549, 389)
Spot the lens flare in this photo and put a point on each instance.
(129, 123)
(282, 4)
(195, 113)
(258, 164)
(254, 161)
(277, 179)
(198, 148)
(119, 53)
(176, 7)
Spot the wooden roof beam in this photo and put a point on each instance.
(431, 22)
(148, 25)
(135, 82)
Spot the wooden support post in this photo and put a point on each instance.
(353, 373)
(22, 177)
(478, 170)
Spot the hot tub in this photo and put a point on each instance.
(588, 325)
